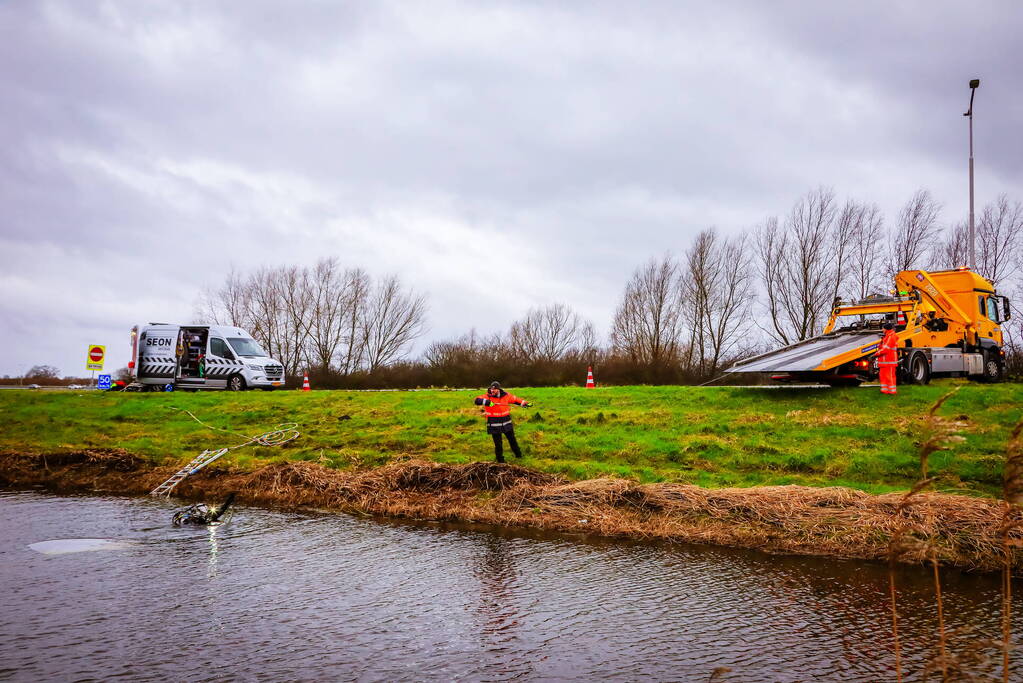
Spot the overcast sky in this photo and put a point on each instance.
(496, 155)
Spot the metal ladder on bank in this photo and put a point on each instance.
(200, 461)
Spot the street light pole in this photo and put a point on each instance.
(974, 84)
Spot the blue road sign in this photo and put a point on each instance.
(103, 382)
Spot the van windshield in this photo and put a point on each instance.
(246, 347)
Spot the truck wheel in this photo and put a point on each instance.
(993, 370)
(236, 383)
(919, 370)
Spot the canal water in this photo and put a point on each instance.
(280, 596)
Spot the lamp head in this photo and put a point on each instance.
(975, 83)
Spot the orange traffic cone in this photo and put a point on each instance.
(305, 382)
(589, 378)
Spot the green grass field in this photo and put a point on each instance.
(712, 437)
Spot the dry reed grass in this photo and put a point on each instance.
(17, 468)
(838, 522)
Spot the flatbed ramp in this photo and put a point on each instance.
(808, 355)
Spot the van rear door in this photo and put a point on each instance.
(157, 359)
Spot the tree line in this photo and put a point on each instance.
(681, 318)
(325, 318)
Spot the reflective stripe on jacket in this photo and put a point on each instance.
(497, 406)
(888, 353)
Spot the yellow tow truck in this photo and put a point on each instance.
(948, 323)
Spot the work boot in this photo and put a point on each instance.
(500, 458)
(518, 454)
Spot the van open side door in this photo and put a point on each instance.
(193, 343)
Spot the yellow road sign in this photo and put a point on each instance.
(94, 357)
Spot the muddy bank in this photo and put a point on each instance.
(834, 521)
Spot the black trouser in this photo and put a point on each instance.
(499, 447)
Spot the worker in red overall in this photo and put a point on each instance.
(888, 358)
(496, 404)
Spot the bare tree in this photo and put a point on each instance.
(228, 305)
(999, 238)
(322, 325)
(394, 320)
(270, 319)
(1012, 332)
(954, 250)
(296, 312)
(337, 299)
(866, 267)
(547, 334)
(586, 346)
(352, 353)
(717, 292)
(915, 234)
(462, 351)
(647, 323)
(322, 316)
(843, 245)
(42, 372)
(771, 246)
(798, 266)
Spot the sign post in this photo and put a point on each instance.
(94, 358)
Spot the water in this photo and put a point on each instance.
(284, 596)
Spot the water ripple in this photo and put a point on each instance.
(279, 596)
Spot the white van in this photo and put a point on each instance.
(200, 357)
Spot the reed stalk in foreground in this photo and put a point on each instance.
(1012, 493)
(941, 433)
(942, 642)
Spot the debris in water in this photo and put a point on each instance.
(200, 513)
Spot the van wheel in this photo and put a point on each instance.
(993, 370)
(236, 383)
(919, 370)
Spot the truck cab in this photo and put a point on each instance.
(984, 310)
(200, 357)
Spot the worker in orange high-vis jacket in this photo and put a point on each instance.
(888, 358)
(496, 404)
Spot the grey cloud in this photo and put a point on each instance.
(573, 139)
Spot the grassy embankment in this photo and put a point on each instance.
(711, 437)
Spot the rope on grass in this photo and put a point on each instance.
(282, 434)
